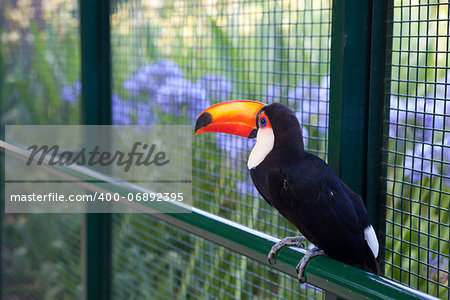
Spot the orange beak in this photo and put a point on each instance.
(237, 117)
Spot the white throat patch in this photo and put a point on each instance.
(264, 144)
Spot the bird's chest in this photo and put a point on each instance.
(259, 178)
(284, 191)
(279, 188)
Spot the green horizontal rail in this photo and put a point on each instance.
(330, 275)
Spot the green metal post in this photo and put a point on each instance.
(380, 47)
(349, 91)
(2, 199)
(358, 60)
(96, 110)
(2, 172)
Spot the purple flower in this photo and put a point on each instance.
(397, 117)
(313, 113)
(132, 112)
(145, 114)
(234, 145)
(179, 96)
(196, 107)
(307, 91)
(426, 160)
(427, 117)
(431, 114)
(438, 264)
(312, 102)
(217, 86)
(68, 94)
(302, 91)
(325, 87)
(71, 93)
(151, 76)
(273, 92)
(77, 86)
(121, 111)
(245, 188)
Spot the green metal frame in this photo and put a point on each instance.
(375, 198)
(349, 90)
(357, 90)
(2, 200)
(96, 96)
(333, 276)
(2, 174)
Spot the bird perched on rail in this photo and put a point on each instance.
(300, 185)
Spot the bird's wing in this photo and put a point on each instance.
(313, 198)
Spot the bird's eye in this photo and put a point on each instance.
(262, 122)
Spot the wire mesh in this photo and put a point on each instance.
(173, 59)
(40, 83)
(417, 147)
(152, 259)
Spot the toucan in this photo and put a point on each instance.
(300, 185)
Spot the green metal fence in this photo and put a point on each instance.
(370, 87)
(417, 147)
(337, 278)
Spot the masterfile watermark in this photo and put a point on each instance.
(147, 156)
(64, 169)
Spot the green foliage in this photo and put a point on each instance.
(41, 254)
(39, 257)
(34, 78)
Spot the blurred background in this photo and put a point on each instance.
(172, 59)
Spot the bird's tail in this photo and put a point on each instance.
(370, 263)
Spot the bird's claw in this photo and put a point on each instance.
(271, 257)
(289, 241)
(300, 268)
(297, 242)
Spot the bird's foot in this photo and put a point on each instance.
(289, 241)
(302, 264)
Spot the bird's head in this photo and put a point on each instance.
(274, 126)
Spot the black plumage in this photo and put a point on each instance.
(304, 189)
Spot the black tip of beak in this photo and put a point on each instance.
(203, 120)
(252, 134)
